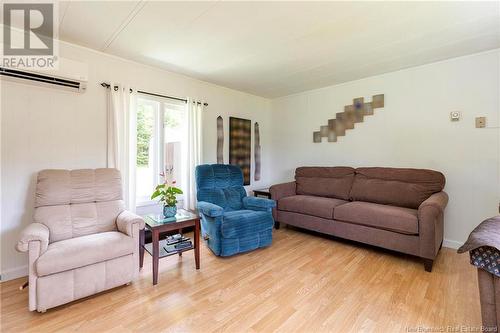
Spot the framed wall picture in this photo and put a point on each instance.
(240, 140)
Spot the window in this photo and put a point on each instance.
(161, 145)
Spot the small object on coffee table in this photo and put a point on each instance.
(179, 247)
(264, 192)
(157, 249)
(183, 245)
(174, 239)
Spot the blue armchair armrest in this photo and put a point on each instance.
(210, 209)
(254, 203)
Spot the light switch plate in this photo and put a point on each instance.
(455, 115)
(480, 122)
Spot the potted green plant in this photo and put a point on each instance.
(167, 195)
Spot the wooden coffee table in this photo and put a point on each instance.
(158, 224)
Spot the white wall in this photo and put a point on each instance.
(49, 128)
(413, 130)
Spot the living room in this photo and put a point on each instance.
(322, 162)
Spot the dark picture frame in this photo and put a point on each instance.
(240, 145)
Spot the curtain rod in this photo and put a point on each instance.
(107, 85)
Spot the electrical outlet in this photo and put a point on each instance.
(480, 122)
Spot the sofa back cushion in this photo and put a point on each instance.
(330, 182)
(220, 184)
(396, 186)
(73, 203)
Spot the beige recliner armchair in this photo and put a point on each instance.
(82, 241)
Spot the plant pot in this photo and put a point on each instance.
(169, 211)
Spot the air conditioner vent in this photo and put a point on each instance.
(71, 75)
(38, 78)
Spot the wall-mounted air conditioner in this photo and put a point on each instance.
(70, 75)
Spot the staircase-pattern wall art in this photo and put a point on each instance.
(345, 120)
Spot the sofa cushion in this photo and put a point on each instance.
(399, 219)
(64, 187)
(310, 205)
(331, 182)
(396, 186)
(82, 251)
(243, 223)
(75, 220)
(73, 203)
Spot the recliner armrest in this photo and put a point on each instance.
(35, 232)
(254, 203)
(126, 220)
(210, 209)
(283, 190)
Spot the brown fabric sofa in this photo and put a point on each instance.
(394, 208)
(82, 240)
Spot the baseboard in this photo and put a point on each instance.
(14, 273)
(452, 244)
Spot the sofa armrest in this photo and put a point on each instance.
(35, 232)
(431, 224)
(283, 190)
(254, 203)
(210, 209)
(434, 205)
(126, 221)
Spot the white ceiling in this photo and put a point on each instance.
(274, 49)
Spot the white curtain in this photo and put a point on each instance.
(194, 150)
(121, 140)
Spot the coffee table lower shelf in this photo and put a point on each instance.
(163, 253)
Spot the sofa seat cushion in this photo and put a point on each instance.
(82, 251)
(242, 223)
(310, 205)
(398, 219)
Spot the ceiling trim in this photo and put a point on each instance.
(133, 13)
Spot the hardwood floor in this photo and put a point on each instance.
(303, 283)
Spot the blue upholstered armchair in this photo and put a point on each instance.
(230, 221)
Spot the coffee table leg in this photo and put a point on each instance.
(156, 255)
(142, 235)
(197, 244)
